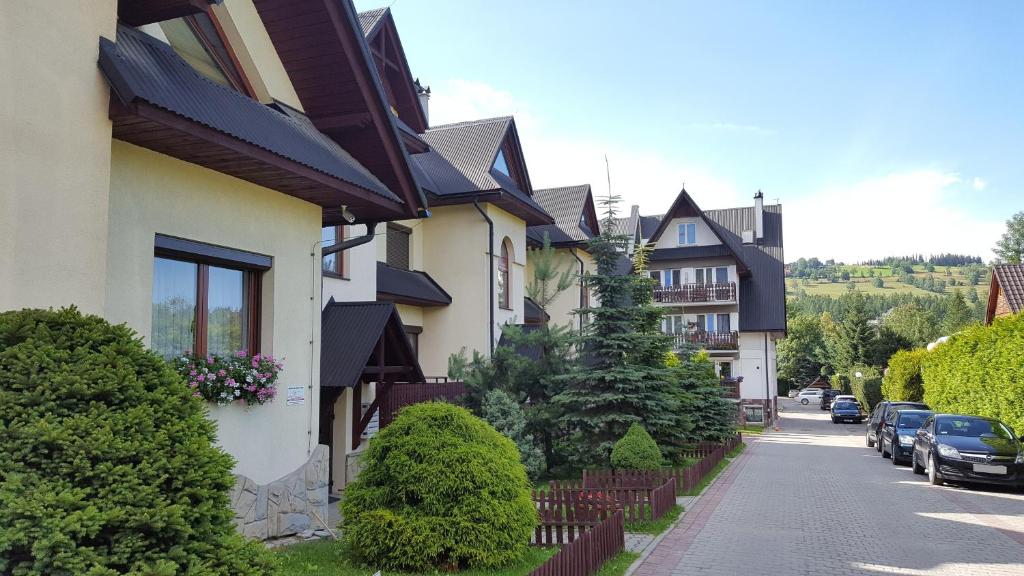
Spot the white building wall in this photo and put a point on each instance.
(670, 237)
(753, 361)
(361, 264)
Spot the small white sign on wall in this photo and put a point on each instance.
(296, 396)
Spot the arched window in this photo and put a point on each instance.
(504, 279)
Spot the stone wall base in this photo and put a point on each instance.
(353, 463)
(285, 506)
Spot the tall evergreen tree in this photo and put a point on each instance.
(958, 314)
(854, 335)
(623, 378)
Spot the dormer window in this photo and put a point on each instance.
(687, 233)
(500, 165)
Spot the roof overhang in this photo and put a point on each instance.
(365, 341)
(500, 198)
(321, 45)
(411, 287)
(139, 12)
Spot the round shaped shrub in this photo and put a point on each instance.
(440, 488)
(108, 463)
(636, 451)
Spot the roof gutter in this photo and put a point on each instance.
(371, 227)
(582, 288)
(490, 277)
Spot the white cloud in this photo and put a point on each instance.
(641, 176)
(919, 211)
(979, 183)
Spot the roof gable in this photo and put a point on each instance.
(351, 334)
(685, 206)
(392, 66)
(572, 207)
(1008, 280)
(322, 47)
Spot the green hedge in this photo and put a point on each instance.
(867, 388)
(980, 370)
(107, 464)
(441, 490)
(636, 451)
(902, 381)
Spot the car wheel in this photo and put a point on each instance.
(917, 468)
(895, 460)
(868, 440)
(833, 420)
(878, 446)
(933, 472)
(804, 401)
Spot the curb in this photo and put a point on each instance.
(657, 540)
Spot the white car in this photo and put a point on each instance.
(809, 394)
(845, 398)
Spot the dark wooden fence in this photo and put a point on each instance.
(573, 503)
(402, 395)
(587, 552)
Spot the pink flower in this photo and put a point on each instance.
(222, 373)
(196, 394)
(201, 378)
(240, 354)
(209, 360)
(192, 373)
(193, 384)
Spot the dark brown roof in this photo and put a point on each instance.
(1011, 283)
(369, 19)
(572, 207)
(533, 313)
(381, 34)
(350, 332)
(139, 12)
(156, 91)
(460, 167)
(409, 287)
(648, 224)
(684, 204)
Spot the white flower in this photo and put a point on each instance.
(249, 378)
(238, 392)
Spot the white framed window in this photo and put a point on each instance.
(687, 233)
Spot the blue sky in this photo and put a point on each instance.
(882, 127)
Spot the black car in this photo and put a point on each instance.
(877, 419)
(826, 398)
(956, 448)
(899, 432)
(847, 412)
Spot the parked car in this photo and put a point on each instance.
(807, 394)
(877, 419)
(827, 398)
(847, 412)
(793, 392)
(846, 398)
(953, 447)
(899, 432)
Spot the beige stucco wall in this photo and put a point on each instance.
(508, 226)
(256, 53)
(562, 308)
(54, 154)
(361, 264)
(151, 193)
(411, 315)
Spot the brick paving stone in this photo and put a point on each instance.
(813, 500)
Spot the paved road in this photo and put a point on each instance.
(814, 500)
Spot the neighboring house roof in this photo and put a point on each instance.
(532, 312)
(336, 79)
(762, 294)
(628, 226)
(155, 89)
(1008, 280)
(409, 287)
(381, 34)
(370, 19)
(460, 167)
(350, 332)
(529, 352)
(648, 224)
(572, 207)
(684, 252)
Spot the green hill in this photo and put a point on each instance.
(863, 277)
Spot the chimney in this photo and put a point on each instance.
(759, 216)
(424, 95)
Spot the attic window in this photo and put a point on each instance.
(500, 165)
(197, 40)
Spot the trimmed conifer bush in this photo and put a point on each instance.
(902, 380)
(107, 464)
(636, 451)
(440, 489)
(980, 370)
(868, 387)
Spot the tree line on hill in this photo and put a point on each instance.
(919, 259)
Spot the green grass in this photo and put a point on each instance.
(859, 276)
(716, 470)
(737, 450)
(656, 526)
(751, 429)
(331, 558)
(618, 565)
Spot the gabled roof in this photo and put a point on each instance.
(762, 294)
(323, 50)
(350, 333)
(460, 167)
(381, 34)
(409, 287)
(684, 205)
(161, 103)
(1007, 279)
(628, 226)
(572, 207)
(648, 224)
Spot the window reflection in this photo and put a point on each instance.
(174, 306)
(226, 311)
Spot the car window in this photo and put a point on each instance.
(928, 424)
(972, 428)
(911, 420)
(845, 406)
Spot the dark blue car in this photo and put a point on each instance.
(847, 412)
(899, 432)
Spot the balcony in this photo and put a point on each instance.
(707, 340)
(731, 388)
(720, 293)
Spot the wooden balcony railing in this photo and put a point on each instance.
(708, 340)
(687, 293)
(731, 387)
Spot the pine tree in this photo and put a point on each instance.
(853, 337)
(623, 378)
(957, 313)
(548, 280)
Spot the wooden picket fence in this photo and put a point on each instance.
(569, 506)
(587, 552)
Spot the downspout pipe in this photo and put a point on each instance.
(573, 252)
(490, 277)
(351, 242)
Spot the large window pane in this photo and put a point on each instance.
(174, 306)
(226, 310)
(329, 235)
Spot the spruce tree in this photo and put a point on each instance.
(623, 378)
